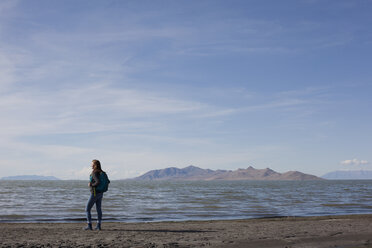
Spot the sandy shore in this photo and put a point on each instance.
(336, 231)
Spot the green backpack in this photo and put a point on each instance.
(103, 182)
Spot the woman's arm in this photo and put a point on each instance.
(95, 180)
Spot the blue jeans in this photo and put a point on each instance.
(98, 201)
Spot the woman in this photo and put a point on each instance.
(95, 197)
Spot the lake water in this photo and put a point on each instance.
(135, 201)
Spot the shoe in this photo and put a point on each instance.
(98, 227)
(89, 227)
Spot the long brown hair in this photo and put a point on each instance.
(97, 165)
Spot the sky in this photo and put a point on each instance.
(143, 85)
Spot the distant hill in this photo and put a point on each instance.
(196, 173)
(348, 175)
(30, 177)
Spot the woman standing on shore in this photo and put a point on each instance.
(95, 196)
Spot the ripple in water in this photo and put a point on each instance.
(131, 201)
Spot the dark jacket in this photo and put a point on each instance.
(94, 180)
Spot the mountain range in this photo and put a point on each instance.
(30, 177)
(196, 173)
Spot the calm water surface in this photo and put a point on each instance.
(131, 201)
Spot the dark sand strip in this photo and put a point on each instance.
(331, 231)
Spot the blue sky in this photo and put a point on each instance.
(143, 85)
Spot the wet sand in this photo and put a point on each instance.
(329, 231)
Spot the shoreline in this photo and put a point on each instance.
(83, 220)
(315, 231)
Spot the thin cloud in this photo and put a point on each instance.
(354, 162)
(73, 108)
(6, 6)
